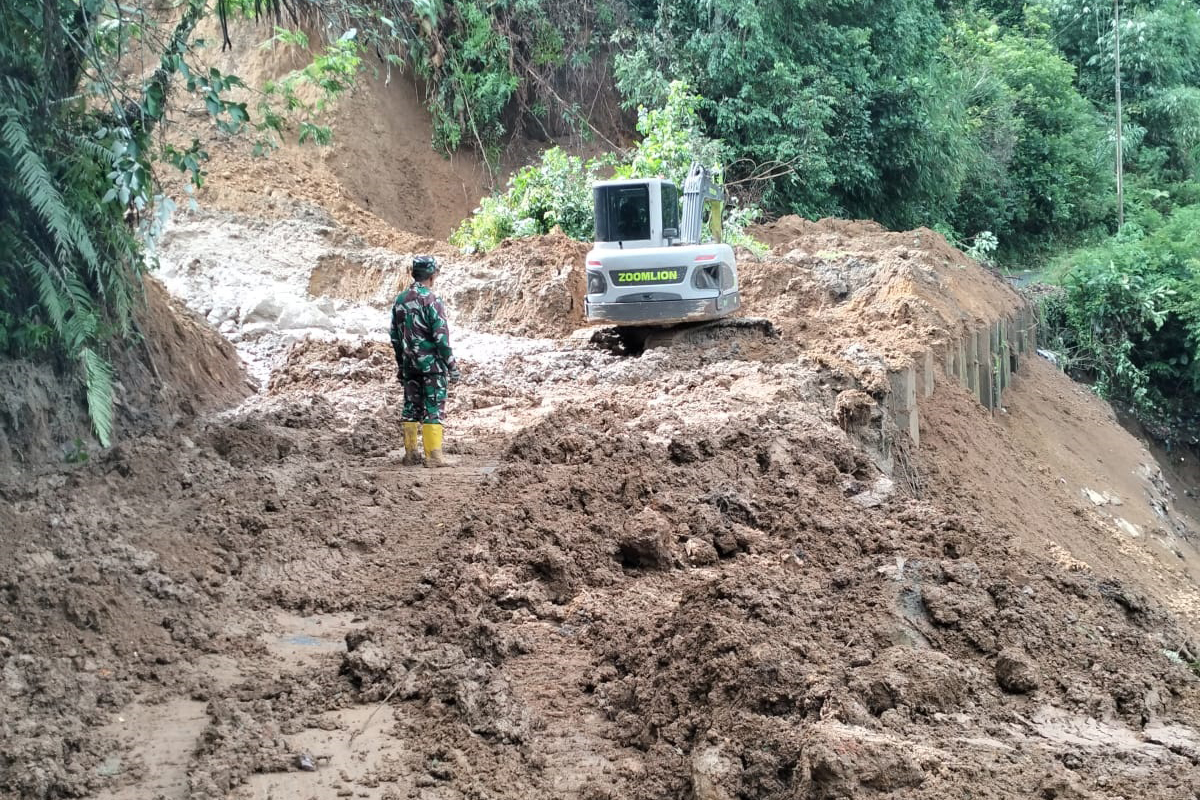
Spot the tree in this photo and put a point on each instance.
(852, 97)
(1035, 133)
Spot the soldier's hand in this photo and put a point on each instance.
(455, 376)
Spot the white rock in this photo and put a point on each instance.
(1129, 527)
(263, 308)
(709, 767)
(301, 315)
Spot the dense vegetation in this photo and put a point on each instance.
(991, 120)
(1128, 318)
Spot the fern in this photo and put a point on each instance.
(98, 379)
(37, 186)
(48, 292)
(70, 263)
(98, 152)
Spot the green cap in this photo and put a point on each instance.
(423, 267)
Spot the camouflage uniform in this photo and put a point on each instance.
(421, 340)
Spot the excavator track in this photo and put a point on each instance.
(633, 340)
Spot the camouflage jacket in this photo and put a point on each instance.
(420, 333)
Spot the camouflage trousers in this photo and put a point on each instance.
(424, 397)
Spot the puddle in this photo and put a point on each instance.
(372, 767)
(300, 640)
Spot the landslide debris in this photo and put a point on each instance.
(854, 291)
(705, 572)
(737, 607)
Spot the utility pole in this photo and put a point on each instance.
(1120, 126)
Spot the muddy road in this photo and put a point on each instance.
(713, 571)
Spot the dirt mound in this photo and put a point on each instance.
(822, 626)
(313, 365)
(1039, 469)
(853, 290)
(194, 369)
(688, 569)
(380, 172)
(527, 287)
(784, 231)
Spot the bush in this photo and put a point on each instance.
(1130, 318)
(555, 192)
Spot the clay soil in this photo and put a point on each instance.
(713, 571)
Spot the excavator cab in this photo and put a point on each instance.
(647, 265)
(624, 210)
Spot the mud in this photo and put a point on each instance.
(701, 592)
(853, 293)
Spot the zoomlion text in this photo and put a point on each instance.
(647, 277)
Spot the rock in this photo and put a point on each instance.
(646, 544)
(860, 657)
(853, 408)
(941, 604)
(924, 681)
(843, 760)
(14, 680)
(1129, 528)
(963, 572)
(260, 309)
(700, 552)
(879, 492)
(1016, 672)
(711, 773)
(301, 316)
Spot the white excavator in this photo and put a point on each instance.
(648, 273)
(647, 265)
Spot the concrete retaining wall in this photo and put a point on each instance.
(982, 362)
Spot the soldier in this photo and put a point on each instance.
(424, 363)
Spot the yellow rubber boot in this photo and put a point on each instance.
(412, 444)
(431, 434)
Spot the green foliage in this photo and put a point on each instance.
(557, 192)
(284, 103)
(70, 279)
(78, 200)
(847, 101)
(76, 152)
(490, 69)
(672, 138)
(77, 453)
(1039, 166)
(1130, 317)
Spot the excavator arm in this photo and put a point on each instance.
(700, 190)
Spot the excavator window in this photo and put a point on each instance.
(670, 206)
(622, 213)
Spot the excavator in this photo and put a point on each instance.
(649, 275)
